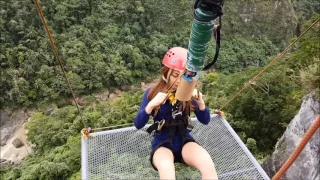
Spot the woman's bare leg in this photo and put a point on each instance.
(164, 161)
(195, 155)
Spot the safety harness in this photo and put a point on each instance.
(180, 122)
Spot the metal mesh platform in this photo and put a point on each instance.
(124, 154)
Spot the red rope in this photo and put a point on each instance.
(313, 128)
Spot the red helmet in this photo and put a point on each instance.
(175, 58)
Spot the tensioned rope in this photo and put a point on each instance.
(44, 21)
(269, 65)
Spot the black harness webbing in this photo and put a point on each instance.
(171, 126)
(180, 121)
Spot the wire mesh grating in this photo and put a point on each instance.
(124, 154)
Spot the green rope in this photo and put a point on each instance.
(199, 40)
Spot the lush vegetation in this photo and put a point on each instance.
(106, 44)
(113, 44)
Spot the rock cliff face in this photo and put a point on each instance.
(307, 165)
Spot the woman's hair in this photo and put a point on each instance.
(162, 86)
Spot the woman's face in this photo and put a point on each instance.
(174, 77)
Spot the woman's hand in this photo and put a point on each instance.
(220, 113)
(156, 101)
(198, 99)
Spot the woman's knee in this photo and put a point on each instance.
(195, 155)
(163, 158)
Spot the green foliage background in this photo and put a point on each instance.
(115, 44)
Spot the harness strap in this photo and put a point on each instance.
(179, 122)
(182, 131)
(181, 125)
(172, 130)
(151, 128)
(217, 36)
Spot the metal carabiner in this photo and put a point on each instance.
(160, 124)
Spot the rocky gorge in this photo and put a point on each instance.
(14, 144)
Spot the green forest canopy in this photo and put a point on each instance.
(111, 44)
(107, 44)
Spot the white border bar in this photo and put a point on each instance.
(245, 149)
(84, 159)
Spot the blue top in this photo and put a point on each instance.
(164, 112)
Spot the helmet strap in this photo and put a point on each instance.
(168, 75)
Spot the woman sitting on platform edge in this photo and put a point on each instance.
(170, 145)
